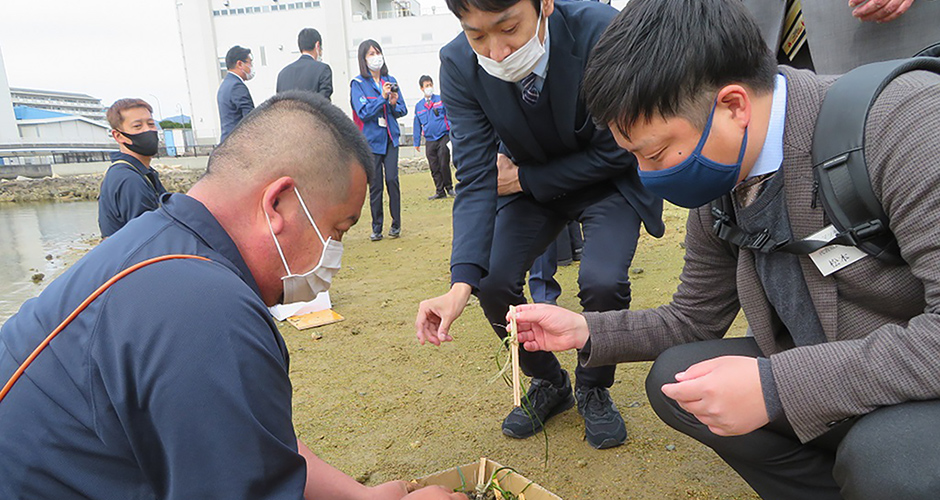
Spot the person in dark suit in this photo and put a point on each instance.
(513, 77)
(233, 97)
(309, 72)
(836, 395)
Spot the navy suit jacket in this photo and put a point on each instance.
(307, 74)
(483, 110)
(234, 103)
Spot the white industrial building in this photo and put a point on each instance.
(61, 102)
(34, 134)
(410, 36)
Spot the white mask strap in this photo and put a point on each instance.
(278, 245)
(314, 224)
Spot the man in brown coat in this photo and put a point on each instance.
(835, 395)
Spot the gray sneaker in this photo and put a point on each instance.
(543, 402)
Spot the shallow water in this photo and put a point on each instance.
(29, 232)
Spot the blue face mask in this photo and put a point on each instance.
(696, 180)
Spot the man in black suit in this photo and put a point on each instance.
(309, 72)
(233, 97)
(513, 78)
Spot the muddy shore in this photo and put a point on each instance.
(86, 187)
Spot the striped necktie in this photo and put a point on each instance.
(794, 30)
(530, 94)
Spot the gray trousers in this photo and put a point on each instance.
(890, 453)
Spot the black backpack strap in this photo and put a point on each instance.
(839, 156)
(929, 51)
(726, 229)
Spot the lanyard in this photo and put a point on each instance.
(81, 307)
(145, 176)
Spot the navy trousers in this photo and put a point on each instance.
(525, 228)
(385, 166)
(543, 286)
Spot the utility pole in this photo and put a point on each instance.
(159, 108)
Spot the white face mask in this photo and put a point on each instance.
(305, 287)
(375, 62)
(518, 64)
(250, 74)
(428, 92)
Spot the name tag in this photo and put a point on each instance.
(830, 259)
(382, 122)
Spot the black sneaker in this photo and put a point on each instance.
(543, 401)
(394, 232)
(603, 425)
(451, 191)
(437, 196)
(375, 236)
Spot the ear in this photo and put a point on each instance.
(736, 100)
(119, 137)
(548, 6)
(272, 201)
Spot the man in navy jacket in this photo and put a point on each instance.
(514, 77)
(233, 97)
(130, 187)
(173, 384)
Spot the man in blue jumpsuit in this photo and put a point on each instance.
(431, 123)
(130, 187)
(513, 77)
(173, 384)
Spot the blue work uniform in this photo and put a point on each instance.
(374, 110)
(430, 120)
(129, 189)
(378, 120)
(173, 384)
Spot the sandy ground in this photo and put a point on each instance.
(371, 401)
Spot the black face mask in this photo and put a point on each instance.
(144, 143)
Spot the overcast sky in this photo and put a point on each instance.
(105, 48)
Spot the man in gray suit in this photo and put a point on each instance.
(309, 72)
(834, 37)
(836, 394)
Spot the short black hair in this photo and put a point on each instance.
(298, 134)
(363, 66)
(236, 54)
(424, 78)
(670, 57)
(460, 7)
(307, 39)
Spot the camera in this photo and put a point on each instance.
(393, 87)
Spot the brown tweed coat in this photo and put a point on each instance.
(882, 322)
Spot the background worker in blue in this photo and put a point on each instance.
(174, 383)
(514, 76)
(130, 187)
(431, 122)
(233, 97)
(377, 104)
